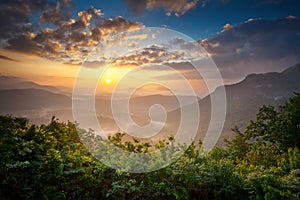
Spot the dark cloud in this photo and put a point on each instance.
(15, 14)
(178, 7)
(12, 16)
(56, 12)
(48, 29)
(255, 46)
(24, 44)
(7, 58)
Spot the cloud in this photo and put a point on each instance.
(7, 58)
(255, 46)
(93, 64)
(56, 12)
(291, 17)
(226, 27)
(24, 44)
(12, 15)
(187, 49)
(178, 7)
(149, 55)
(49, 29)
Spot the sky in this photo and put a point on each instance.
(47, 41)
(204, 19)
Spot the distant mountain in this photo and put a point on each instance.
(32, 103)
(11, 82)
(40, 103)
(246, 97)
(269, 85)
(6, 81)
(31, 99)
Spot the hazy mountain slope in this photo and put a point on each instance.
(245, 98)
(11, 82)
(28, 99)
(38, 105)
(7, 81)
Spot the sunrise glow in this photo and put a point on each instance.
(108, 81)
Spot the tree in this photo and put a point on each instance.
(277, 127)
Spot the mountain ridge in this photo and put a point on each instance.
(245, 98)
(243, 101)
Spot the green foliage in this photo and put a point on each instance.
(43, 162)
(267, 154)
(238, 147)
(280, 128)
(51, 162)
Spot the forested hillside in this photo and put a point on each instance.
(50, 162)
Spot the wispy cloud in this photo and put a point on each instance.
(7, 58)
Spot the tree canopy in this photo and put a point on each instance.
(50, 162)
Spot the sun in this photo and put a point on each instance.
(108, 81)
